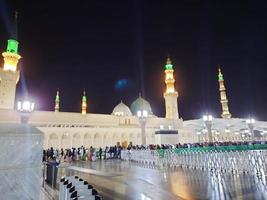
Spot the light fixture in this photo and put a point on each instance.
(142, 113)
(25, 106)
(208, 124)
(207, 118)
(250, 121)
(204, 131)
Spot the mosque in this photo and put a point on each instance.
(134, 125)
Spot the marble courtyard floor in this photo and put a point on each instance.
(121, 180)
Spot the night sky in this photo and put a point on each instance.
(116, 49)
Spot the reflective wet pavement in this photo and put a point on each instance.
(115, 179)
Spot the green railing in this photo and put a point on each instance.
(216, 148)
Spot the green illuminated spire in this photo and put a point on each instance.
(12, 46)
(84, 96)
(57, 96)
(12, 43)
(84, 104)
(57, 101)
(168, 65)
(220, 75)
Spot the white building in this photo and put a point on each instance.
(124, 125)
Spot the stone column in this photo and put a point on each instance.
(21, 148)
(143, 131)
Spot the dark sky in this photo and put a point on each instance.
(73, 45)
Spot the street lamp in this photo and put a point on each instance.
(142, 115)
(25, 108)
(208, 123)
(227, 131)
(237, 136)
(199, 135)
(264, 133)
(250, 122)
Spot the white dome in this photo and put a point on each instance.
(121, 110)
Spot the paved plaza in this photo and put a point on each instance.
(120, 180)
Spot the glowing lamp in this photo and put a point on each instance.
(25, 106)
(204, 131)
(227, 130)
(10, 67)
(250, 121)
(207, 118)
(142, 113)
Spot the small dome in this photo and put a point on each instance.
(121, 110)
(141, 104)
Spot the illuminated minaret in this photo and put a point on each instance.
(57, 100)
(170, 95)
(9, 75)
(84, 103)
(223, 97)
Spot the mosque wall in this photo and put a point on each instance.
(66, 130)
(96, 137)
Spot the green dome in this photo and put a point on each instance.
(141, 104)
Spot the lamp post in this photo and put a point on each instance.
(250, 122)
(264, 133)
(204, 133)
(199, 135)
(227, 131)
(217, 135)
(142, 115)
(25, 108)
(208, 123)
(239, 137)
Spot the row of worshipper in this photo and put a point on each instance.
(82, 153)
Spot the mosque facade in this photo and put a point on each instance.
(125, 125)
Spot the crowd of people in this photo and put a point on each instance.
(191, 145)
(81, 153)
(114, 152)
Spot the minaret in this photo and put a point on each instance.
(84, 103)
(170, 95)
(9, 75)
(57, 100)
(223, 97)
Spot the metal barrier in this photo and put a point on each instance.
(233, 159)
(73, 187)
